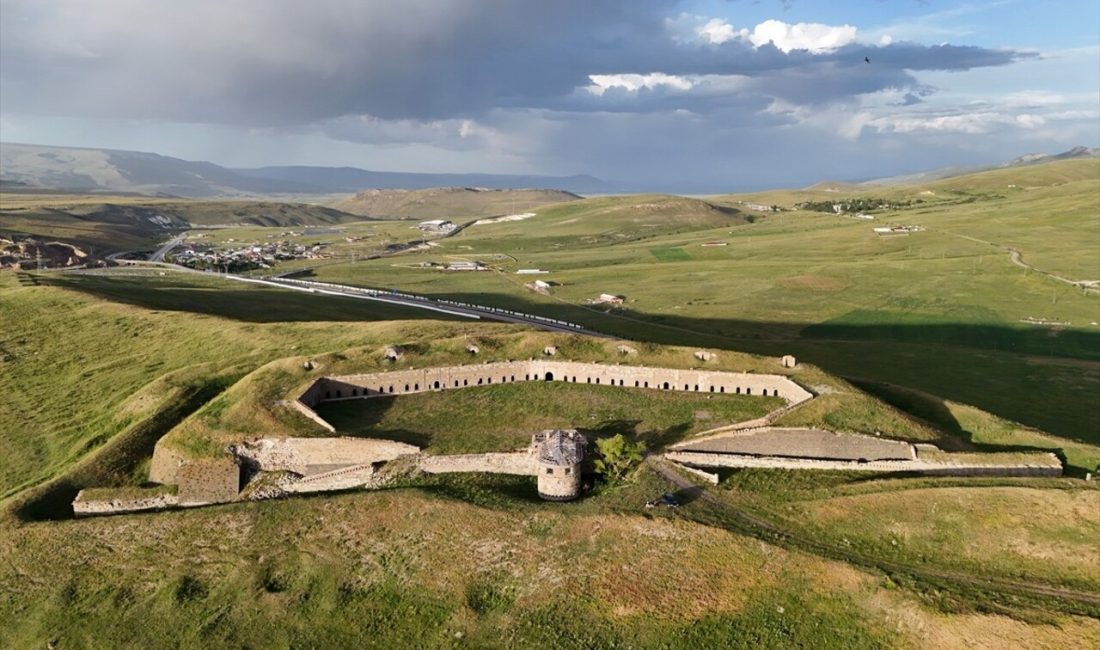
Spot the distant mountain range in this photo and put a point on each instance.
(24, 166)
(951, 172)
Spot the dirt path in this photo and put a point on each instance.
(1007, 591)
(1017, 258)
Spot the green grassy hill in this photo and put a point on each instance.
(105, 224)
(448, 202)
(928, 329)
(945, 310)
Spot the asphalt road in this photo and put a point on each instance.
(466, 310)
(163, 250)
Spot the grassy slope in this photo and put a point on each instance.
(934, 311)
(74, 356)
(106, 224)
(448, 202)
(474, 561)
(611, 575)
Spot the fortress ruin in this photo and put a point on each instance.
(266, 467)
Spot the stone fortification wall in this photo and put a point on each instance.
(520, 462)
(559, 482)
(84, 507)
(1041, 465)
(165, 465)
(209, 480)
(789, 442)
(312, 395)
(308, 456)
(346, 478)
(399, 382)
(310, 413)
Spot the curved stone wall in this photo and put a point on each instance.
(403, 382)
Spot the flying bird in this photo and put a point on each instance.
(867, 59)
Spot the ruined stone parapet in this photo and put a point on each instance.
(1045, 465)
(165, 465)
(307, 456)
(801, 442)
(86, 507)
(209, 480)
(519, 463)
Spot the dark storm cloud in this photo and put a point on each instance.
(286, 62)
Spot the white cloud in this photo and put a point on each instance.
(716, 31)
(1034, 99)
(815, 37)
(1030, 121)
(601, 83)
(975, 123)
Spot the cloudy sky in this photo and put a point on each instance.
(697, 95)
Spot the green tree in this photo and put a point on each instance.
(618, 457)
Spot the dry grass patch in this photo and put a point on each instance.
(812, 282)
(1047, 534)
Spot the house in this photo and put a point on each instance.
(606, 299)
(436, 225)
(464, 266)
(530, 271)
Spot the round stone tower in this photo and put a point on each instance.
(558, 457)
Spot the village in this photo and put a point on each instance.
(244, 257)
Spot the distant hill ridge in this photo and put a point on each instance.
(108, 170)
(449, 202)
(952, 172)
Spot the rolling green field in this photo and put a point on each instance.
(944, 311)
(926, 330)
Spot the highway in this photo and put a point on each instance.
(444, 306)
(163, 250)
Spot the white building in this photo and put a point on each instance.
(436, 225)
